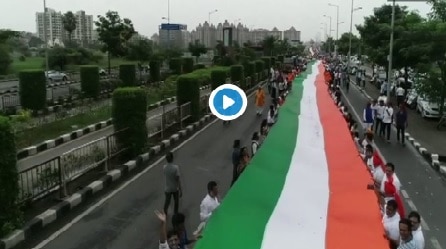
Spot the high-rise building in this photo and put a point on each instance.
(209, 34)
(54, 28)
(55, 32)
(173, 35)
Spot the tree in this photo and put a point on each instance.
(114, 33)
(35, 42)
(5, 58)
(197, 49)
(327, 45)
(268, 44)
(344, 43)
(141, 50)
(32, 89)
(69, 24)
(58, 58)
(375, 32)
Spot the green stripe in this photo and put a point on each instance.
(241, 219)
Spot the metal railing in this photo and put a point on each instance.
(43, 179)
(170, 117)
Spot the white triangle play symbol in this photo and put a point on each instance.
(227, 102)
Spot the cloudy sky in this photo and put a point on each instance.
(304, 15)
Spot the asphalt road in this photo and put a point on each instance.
(126, 220)
(153, 120)
(424, 189)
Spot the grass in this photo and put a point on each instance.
(38, 63)
(49, 131)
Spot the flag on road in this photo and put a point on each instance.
(306, 188)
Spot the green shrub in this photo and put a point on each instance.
(218, 77)
(199, 66)
(188, 90)
(237, 74)
(32, 89)
(129, 111)
(188, 64)
(11, 216)
(273, 61)
(281, 58)
(155, 70)
(267, 61)
(90, 81)
(176, 65)
(127, 73)
(109, 84)
(260, 66)
(250, 68)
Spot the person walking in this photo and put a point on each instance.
(368, 116)
(173, 184)
(417, 233)
(260, 100)
(210, 202)
(400, 95)
(235, 160)
(379, 109)
(387, 120)
(255, 143)
(401, 123)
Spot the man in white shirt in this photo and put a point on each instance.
(391, 221)
(379, 108)
(387, 120)
(407, 240)
(417, 233)
(254, 143)
(210, 202)
(400, 92)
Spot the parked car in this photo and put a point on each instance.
(53, 76)
(427, 108)
(411, 99)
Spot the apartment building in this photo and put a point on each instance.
(55, 32)
(173, 35)
(209, 34)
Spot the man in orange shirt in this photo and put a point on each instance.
(260, 100)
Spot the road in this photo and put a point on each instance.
(152, 121)
(424, 189)
(126, 220)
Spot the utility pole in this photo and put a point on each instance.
(45, 37)
(337, 27)
(390, 57)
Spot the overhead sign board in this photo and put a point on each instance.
(172, 26)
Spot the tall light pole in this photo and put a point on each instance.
(325, 30)
(390, 57)
(168, 24)
(209, 15)
(329, 45)
(353, 9)
(45, 36)
(337, 27)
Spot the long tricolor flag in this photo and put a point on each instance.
(306, 186)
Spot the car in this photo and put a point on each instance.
(53, 76)
(102, 72)
(427, 108)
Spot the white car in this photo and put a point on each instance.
(427, 108)
(53, 76)
(411, 99)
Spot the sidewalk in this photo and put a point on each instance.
(422, 130)
(153, 120)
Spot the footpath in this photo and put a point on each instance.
(422, 130)
(124, 218)
(153, 120)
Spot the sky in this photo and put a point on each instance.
(146, 15)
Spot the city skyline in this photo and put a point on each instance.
(280, 14)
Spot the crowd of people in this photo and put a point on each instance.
(403, 231)
(279, 85)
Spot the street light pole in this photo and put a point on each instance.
(329, 45)
(351, 35)
(45, 36)
(390, 57)
(209, 15)
(337, 27)
(168, 24)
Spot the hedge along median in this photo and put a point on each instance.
(218, 77)
(260, 67)
(32, 89)
(267, 61)
(188, 90)
(176, 65)
(129, 113)
(127, 73)
(238, 75)
(10, 214)
(188, 64)
(155, 70)
(90, 81)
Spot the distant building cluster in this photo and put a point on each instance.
(55, 32)
(209, 35)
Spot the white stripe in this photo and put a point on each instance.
(299, 219)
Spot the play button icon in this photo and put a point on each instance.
(228, 102)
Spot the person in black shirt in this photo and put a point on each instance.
(235, 160)
(401, 123)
